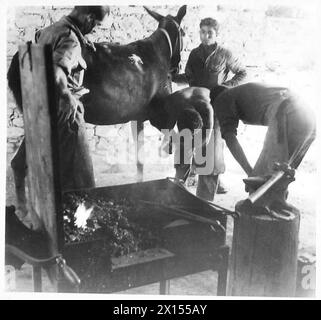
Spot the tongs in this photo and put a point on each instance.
(184, 214)
(225, 211)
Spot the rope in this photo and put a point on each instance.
(169, 42)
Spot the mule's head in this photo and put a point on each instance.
(171, 25)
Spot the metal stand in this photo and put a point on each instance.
(37, 280)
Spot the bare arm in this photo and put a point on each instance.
(70, 103)
(237, 152)
(61, 82)
(66, 56)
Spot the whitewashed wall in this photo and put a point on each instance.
(275, 43)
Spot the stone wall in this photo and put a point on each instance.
(275, 43)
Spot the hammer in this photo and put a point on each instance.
(281, 170)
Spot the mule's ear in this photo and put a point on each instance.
(154, 14)
(181, 13)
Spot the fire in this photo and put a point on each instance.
(81, 215)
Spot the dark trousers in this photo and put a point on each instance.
(76, 167)
(207, 184)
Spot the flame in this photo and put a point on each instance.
(81, 215)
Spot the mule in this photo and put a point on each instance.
(125, 81)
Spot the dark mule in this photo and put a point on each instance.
(123, 81)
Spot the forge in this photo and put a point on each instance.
(184, 245)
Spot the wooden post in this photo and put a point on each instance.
(39, 113)
(264, 253)
(138, 135)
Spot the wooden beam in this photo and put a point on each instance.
(37, 279)
(40, 125)
(222, 271)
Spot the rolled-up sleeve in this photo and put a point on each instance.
(235, 66)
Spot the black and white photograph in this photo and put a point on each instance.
(160, 149)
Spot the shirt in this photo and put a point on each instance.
(248, 102)
(67, 42)
(209, 66)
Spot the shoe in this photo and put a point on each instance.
(221, 189)
(33, 243)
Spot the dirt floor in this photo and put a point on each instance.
(302, 195)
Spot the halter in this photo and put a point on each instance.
(169, 42)
(169, 39)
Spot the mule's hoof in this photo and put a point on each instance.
(20, 236)
(31, 221)
(27, 223)
(21, 212)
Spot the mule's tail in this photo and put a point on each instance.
(13, 77)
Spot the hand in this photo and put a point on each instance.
(69, 107)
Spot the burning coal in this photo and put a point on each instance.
(88, 218)
(82, 214)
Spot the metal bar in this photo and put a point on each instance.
(37, 280)
(138, 136)
(164, 287)
(184, 214)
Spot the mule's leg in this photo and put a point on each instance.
(19, 168)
